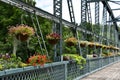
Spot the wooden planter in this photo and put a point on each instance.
(22, 37)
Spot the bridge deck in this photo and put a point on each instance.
(109, 73)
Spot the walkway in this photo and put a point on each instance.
(109, 73)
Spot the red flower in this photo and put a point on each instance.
(38, 59)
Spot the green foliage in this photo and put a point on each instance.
(79, 59)
(9, 61)
(70, 50)
(31, 2)
(67, 33)
(9, 16)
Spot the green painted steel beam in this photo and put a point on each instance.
(110, 12)
(96, 0)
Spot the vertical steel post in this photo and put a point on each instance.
(97, 13)
(71, 11)
(104, 19)
(89, 13)
(72, 16)
(83, 10)
(66, 71)
(57, 6)
(83, 21)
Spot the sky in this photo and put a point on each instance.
(47, 5)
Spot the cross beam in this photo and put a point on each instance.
(110, 12)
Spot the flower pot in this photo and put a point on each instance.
(53, 41)
(66, 58)
(22, 37)
(91, 46)
(98, 46)
(70, 44)
(82, 44)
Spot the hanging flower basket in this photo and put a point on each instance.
(53, 38)
(53, 41)
(71, 41)
(116, 48)
(21, 32)
(107, 47)
(104, 47)
(91, 44)
(22, 37)
(111, 47)
(70, 44)
(83, 43)
(98, 45)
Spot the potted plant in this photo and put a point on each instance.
(21, 32)
(72, 41)
(53, 38)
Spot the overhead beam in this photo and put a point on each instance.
(114, 21)
(116, 9)
(110, 12)
(115, 2)
(89, 1)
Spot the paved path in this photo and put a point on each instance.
(109, 73)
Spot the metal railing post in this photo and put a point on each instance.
(66, 71)
(88, 65)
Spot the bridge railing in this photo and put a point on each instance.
(58, 70)
(91, 66)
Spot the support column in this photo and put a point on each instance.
(57, 5)
(97, 13)
(83, 10)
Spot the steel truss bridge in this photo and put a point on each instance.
(108, 17)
